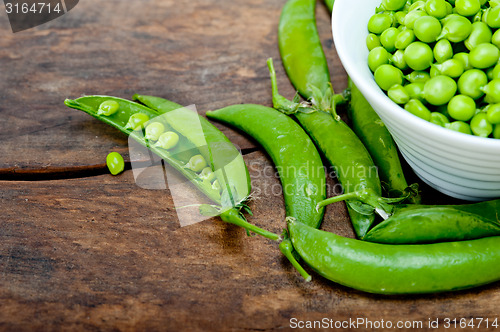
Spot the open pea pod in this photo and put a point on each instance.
(197, 140)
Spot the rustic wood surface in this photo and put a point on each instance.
(83, 250)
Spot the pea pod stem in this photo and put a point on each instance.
(233, 216)
(287, 250)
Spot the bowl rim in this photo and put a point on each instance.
(470, 142)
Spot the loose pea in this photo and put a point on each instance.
(494, 73)
(136, 121)
(464, 58)
(167, 140)
(462, 108)
(439, 118)
(398, 94)
(492, 17)
(436, 8)
(372, 41)
(412, 16)
(388, 39)
(108, 107)
(427, 28)
(480, 125)
(434, 72)
(196, 163)
(115, 163)
(495, 39)
(493, 113)
(480, 34)
(154, 130)
(404, 38)
(496, 131)
(380, 22)
(377, 57)
(449, 8)
(439, 90)
(452, 68)
(415, 107)
(207, 174)
(484, 55)
(417, 5)
(459, 126)
(415, 90)
(418, 76)
(442, 50)
(456, 28)
(492, 92)
(471, 82)
(393, 4)
(387, 75)
(418, 56)
(398, 60)
(467, 7)
(400, 18)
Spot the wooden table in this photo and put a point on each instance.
(83, 250)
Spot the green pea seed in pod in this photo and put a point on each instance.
(439, 90)
(467, 7)
(418, 56)
(471, 83)
(386, 76)
(427, 29)
(492, 92)
(417, 108)
(480, 125)
(484, 55)
(493, 113)
(456, 28)
(462, 108)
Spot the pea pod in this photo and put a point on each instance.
(237, 187)
(298, 162)
(398, 269)
(374, 134)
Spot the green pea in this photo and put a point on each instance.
(452, 68)
(196, 163)
(439, 118)
(462, 108)
(449, 8)
(478, 17)
(480, 125)
(471, 82)
(108, 107)
(154, 130)
(398, 94)
(467, 7)
(415, 107)
(492, 17)
(439, 90)
(418, 56)
(378, 23)
(393, 4)
(417, 5)
(415, 90)
(418, 76)
(404, 38)
(412, 16)
(484, 55)
(442, 50)
(398, 60)
(493, 113)
(456, 28)
(167, 140)
(464, 58)
(388, 39)
(460, 126)
(492, 92)
(115, 163)
(207, 174)
(436, 8)
(387, 75)
(137, 121)
(372, 41)
(400, 18)
(427, 29)
(480, 34)
(496, 131)
(494, 73)
(377, 57)
(495, 39)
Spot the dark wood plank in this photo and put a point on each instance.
(102, 254)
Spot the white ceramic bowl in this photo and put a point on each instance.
(459, 165)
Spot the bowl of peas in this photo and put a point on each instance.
(430, 69)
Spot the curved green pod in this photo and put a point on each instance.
(398, 269)
(215, 148)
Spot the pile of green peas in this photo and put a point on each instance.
(155, 132)
(440, 61)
